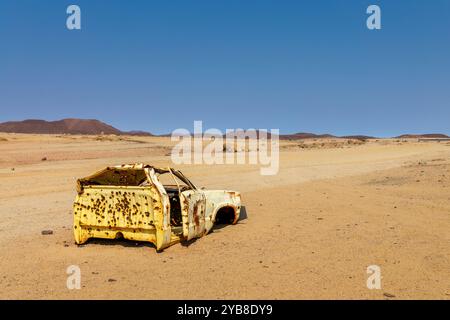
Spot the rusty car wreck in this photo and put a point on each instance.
(132, 202)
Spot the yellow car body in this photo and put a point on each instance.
(130, 201)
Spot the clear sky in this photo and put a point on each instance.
(300, 66)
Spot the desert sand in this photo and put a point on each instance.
(310, 232)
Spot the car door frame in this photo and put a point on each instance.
(162, 217)
(193, 208)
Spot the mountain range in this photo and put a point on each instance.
(65, 126)
(96, 127)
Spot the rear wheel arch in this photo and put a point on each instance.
(226, 214)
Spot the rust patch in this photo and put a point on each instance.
(196, 215)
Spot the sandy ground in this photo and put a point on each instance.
(310, 232)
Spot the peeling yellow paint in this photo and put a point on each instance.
(130, 201)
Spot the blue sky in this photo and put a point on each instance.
(300, 66)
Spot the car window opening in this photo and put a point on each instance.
(173, 186)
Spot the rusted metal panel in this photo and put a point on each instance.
(218, 199)
(163, 231)
(193, 206)
(129, 201)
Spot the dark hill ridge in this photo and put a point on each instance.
(297, 136)
(96, 127)
(304, 135)
(427, 135)
(65, 126)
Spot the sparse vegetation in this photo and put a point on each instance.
(117, 138)
(106, 138)
(324, 144)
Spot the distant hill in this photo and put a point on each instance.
(304, 135)
(358, 137)
(428, 135)
(137, 133)
(96, 127)
(300, 135)
(65, 126)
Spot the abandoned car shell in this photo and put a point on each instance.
(130, 201)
